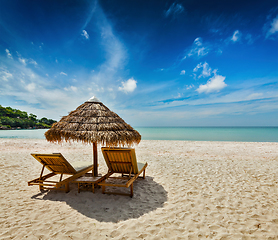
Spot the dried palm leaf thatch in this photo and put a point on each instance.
(93, 122)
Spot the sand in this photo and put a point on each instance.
(192, 190)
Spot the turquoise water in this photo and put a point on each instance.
(25, 133)
(238, 134)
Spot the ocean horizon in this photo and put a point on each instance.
(234, 134)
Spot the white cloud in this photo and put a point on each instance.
(30, 87)
(174, 9)
(128, 86)
(9, 55)
(189, 87)
(202, 51)
(22, 60)
(254, 96)
(18, 81)
(5, 75)
(206, 72)
(198, 49)
(113, 47)
(63, 73)
(25, 61)
(115, 54)
(197, 67)
(85, 34)
(267, 97)
(182, 72)
(273, 27)
(32, 76)
(214, 84)
(198, 41)
(71, 88)
(236, 36)
(32, 61)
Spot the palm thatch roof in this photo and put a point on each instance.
(93, 122)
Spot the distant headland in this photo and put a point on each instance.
(11, 119)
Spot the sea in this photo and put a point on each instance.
(234, 134)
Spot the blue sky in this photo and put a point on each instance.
(154, 63)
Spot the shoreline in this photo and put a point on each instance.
(134, 146)
(192, 190)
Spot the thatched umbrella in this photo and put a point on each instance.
(92, 122)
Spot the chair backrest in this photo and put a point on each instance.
(120, 160)
(55, 163)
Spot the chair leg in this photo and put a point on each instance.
(103, 189)
(144, 174)
(67, 187)
(131, 190)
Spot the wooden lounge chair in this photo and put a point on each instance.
(122, 160)
(57, 164)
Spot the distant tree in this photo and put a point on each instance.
(21, 114)
(43, 120)
(33, 117)
(2, 111)
(46, 121)
(14, 118)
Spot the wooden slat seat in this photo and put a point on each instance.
(123, 161)
(57, 164)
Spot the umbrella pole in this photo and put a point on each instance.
(95, 173)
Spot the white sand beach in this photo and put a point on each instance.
(192, 190)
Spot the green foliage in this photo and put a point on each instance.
(46, 121)
(14, 118)
(33, 117)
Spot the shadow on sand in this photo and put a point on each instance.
(148, 196)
